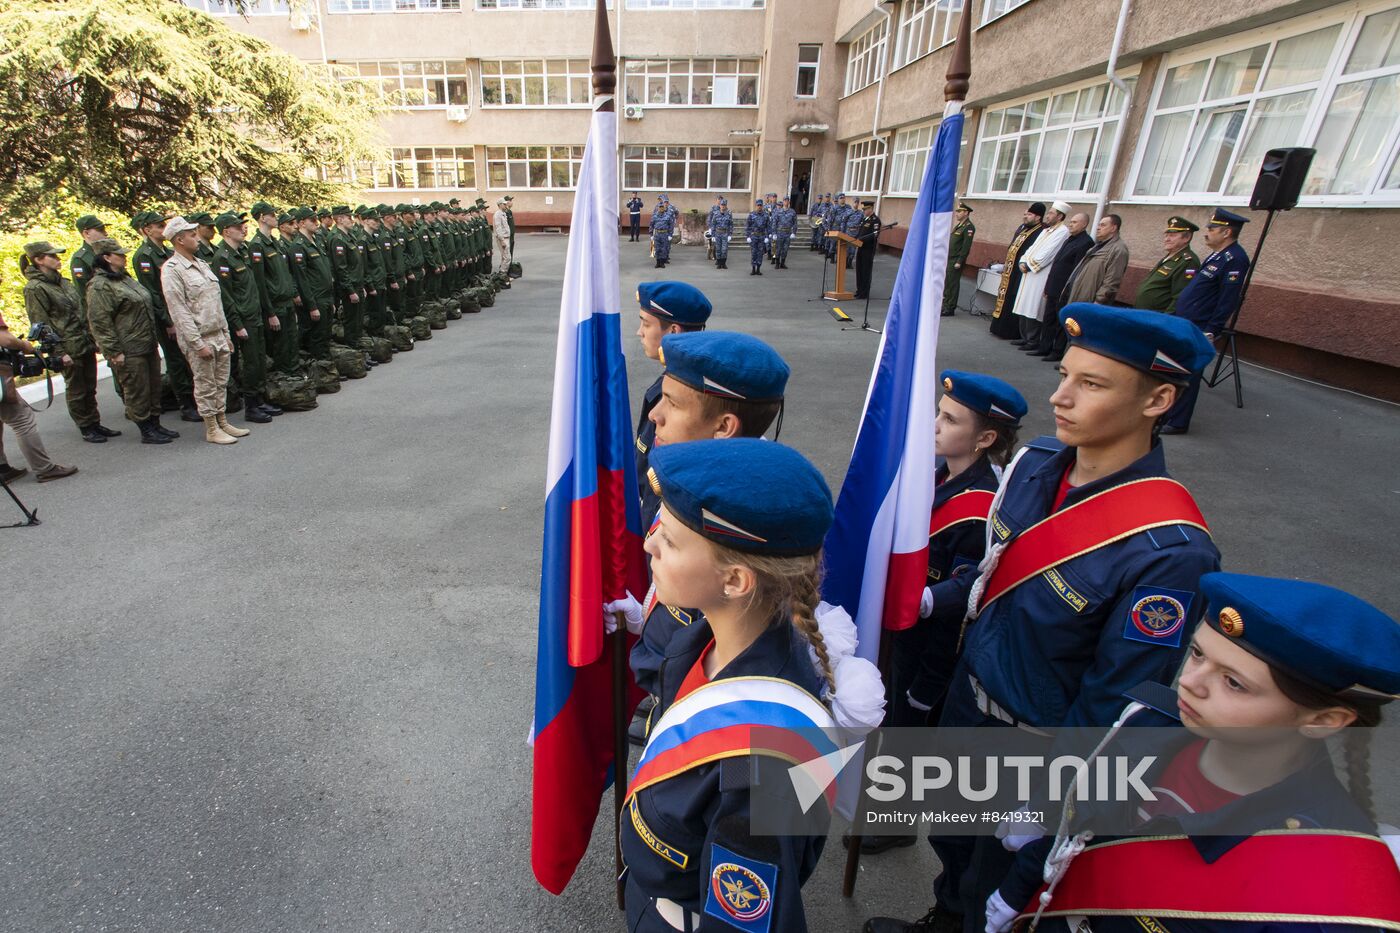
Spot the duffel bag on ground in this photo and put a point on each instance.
(379, 348)
(399, 336)
(292, 393)
(349, 362)
(515, 271)
(323, 375)
(420, 328)
(437, 316)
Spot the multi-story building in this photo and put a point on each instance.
(1144, 110)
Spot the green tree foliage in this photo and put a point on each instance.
(148, 101)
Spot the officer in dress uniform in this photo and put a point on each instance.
(867, 230)
(663, 222)
(756, 232)
(692, 860)
(721, 229)
(1159, 291)
(1210, 298)
(959, 246)
(634, 215)
(1296, 662)
(784, 223)
(1097, 600)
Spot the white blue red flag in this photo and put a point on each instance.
(877, 549)
(592, 528)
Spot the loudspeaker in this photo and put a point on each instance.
(1281, 178)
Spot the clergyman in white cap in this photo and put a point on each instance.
(1035, 269)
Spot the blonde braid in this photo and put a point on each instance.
(802, 605)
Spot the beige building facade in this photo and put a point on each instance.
(743, 97)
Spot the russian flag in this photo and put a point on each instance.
(877, 549)
(592, 528)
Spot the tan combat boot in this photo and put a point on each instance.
(215, 434)
(229, 429)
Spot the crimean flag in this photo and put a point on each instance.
(877, 549)
(592, 528)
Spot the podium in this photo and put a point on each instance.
(844, 242)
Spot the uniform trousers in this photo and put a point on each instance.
(80, 389)
(139, 376)
(252, 362)
(175, 366)
(865, 270)
(353, 319)
(721, 241)
(16, 415)
(503, 256)
(636, 224)
(781, 241)
(211, 378)
(284, 345)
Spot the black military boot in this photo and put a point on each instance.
(189, 411)
(92, 435)
(267, 406)
(106, 431)
(251, 411)
(151, 434)
(162, 429)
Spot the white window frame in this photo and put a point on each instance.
(688, 71)
(865, 58)
(864, 170)
(402, 167)
(575, 73)
(995, 9)
(1109, 109)
(657, 164)
(692, 5)
(452, 70)
(814, 67)
(512, 6)
(910, 152)
(1351, 17)
(924, 27)
(227, 8)
(355, 7)
(550, 155)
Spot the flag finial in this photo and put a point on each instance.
(960, 64)
(604, 61)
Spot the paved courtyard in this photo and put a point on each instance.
(285, 686)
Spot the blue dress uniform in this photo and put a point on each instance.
(1059, 648)
(721, 229)
(850, 226)
(1315, 633)
(836, 221)
(1207, 301)
(756, 229)
(924, 655)
(663, 222)
(784, 226)
(817, 218)
(724, 364)
(691, 861)
(670, 303)
(634, 216)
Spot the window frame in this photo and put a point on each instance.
(878, 158)
(693, 6)
(569, 76)
(898, 156)
(547, 6)
(927, 11)
(574, 161)
(663, 70)
(342, 7)
(815, 67)
(423, 77)
(1351, 18)
(261, 8)
(871, 58)
(394, 165)
(687, 161)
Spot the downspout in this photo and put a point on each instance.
(1111, 73)
(882, 7)
(321, 33)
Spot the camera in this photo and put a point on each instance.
(49, 356)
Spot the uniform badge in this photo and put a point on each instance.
(77, 272)
(223, 271)
(1232, 276)
(1158, 616)
(145, 267)
(1190, 273)
(340, 251)
(741, 891)
(257, 257)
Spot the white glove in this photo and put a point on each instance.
(926, 604)
(631, 611)
(1016, 835)
(999, 914)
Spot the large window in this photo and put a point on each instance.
(228, 8)
(532, 166)
(687, 168)
(809, 62)
(534, 82)
(924, 25)
(416, 84)
(695, 4)
(692, 82)
(535, 4)
(411, 168)
(865, 58)
(1331, 82)
(991, 9)
(910, 157)
(1057, 144)
(392, 6)
(865, 166)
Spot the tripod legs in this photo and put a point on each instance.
(30, 517)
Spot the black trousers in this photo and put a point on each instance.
(865, 262)
(636, 221)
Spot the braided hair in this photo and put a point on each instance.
(1356, 738)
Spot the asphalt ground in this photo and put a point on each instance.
(285, 686)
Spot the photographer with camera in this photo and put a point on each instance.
(16, 414)
(51, 299)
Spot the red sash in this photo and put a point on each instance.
(968, 506)
(1101, 519)
(1315, 876)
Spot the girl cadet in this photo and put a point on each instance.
(742, 524)
(1251, 830)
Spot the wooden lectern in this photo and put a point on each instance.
(844, 242)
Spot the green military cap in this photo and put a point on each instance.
(285, 218)
(259, 208)
(203, 218)
(511, 197)
(480, 202)
(107, 245)
(964, 206)
(303, 213)
(404, 209)
(143, 219)
(1180, 225)
(322, 212)
(363, 211)
(89, 222)
(454, 201)
(41, 248)
(229, 219)
(340, 210)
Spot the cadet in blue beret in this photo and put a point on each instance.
(740, 538)
(756, 234)
(1275, 667)
(1210, 299)
(662, 225)
(1098, 599)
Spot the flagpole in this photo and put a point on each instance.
(954, 89)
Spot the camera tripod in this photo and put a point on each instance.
(31, 516)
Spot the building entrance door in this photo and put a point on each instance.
(800, 183)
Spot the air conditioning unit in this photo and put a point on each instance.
(633, 112)
(300, 20)
(457, 114)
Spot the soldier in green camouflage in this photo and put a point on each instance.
(348, 259)
(246, 312)
(377, 248)
(277, 285)
(317, 278)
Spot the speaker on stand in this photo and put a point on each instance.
(1282, 175)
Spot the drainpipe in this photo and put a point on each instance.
(1111, 73)
(321, 32)
(882, 7)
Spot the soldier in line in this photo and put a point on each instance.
(278, 288)
(663, 222)
(317, 285)
(756, 233)
(246, 313)
(721, 229)
(500, 234)
(148, 260)
(821, 206)
(347, 260)
(784, 221)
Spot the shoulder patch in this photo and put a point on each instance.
(741, 890)
(1157, 616)
(1064, 590)
(680, 615)
(653, 842)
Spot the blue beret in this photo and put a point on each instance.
(745, 493)
(1224, 218)
(1319, 634)
(841, 194)
(1156, 343)
(726, 364)
(758, 200)
(986, 395)
(676, 302)
(724, 200)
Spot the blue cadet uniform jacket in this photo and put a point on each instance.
(646, 437)
(1309, 799)
(1212, 295)
(663, 220)
(682, 839)
(722, 223)
(1060, 649)
(757, 223)
(784, 221)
